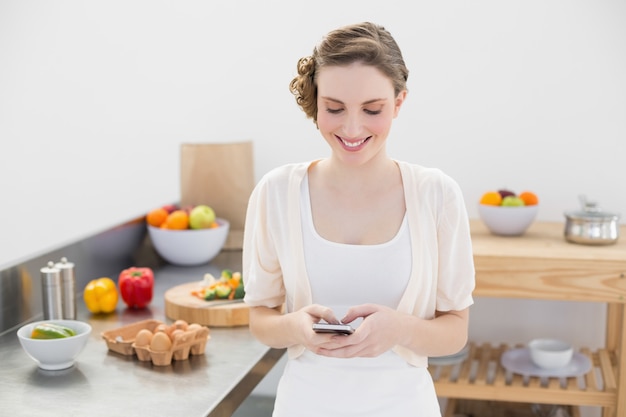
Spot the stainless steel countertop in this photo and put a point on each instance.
(109, 384)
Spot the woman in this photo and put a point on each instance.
(357, 238)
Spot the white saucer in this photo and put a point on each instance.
(518, 361)
(455, 358)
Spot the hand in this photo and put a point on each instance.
(305, 318)
(379, 332)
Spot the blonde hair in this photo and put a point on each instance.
(366, 42)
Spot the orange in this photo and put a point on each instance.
(529, 198)
(177, 220)
(491, 198)
(157, 217)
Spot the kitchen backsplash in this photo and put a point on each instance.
(103, 254)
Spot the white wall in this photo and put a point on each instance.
(96, 97)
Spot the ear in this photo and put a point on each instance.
(398, 102)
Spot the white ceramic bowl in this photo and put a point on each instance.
(507, 221)
(550, 353)
(54, 354)
(190, 246)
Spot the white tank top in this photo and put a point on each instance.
(342, 275)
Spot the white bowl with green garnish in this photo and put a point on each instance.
(51, 347)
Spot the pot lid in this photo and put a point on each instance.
(591, 212)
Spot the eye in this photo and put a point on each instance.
(372, 112)
(333, 111)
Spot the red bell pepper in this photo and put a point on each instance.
(136, 286)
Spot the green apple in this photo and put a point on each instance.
(512, 201)
(201, 217)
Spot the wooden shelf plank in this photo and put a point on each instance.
(520, 389)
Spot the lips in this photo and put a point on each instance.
(353, 144)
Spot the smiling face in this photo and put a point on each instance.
(356, 105)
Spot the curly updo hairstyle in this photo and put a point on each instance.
(366, 42)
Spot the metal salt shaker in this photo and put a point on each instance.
(51, 292)
(68, 288)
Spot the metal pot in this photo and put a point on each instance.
(591, 225)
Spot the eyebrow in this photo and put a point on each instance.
(374, 100)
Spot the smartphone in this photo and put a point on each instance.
(333, 328)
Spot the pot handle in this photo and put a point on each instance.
(588, 205)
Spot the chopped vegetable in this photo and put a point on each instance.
(223, 290)
(229, 286)
(239, 292)
(209, 294)
(209, 279)
(51, 331)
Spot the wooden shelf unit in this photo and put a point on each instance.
(542, 265)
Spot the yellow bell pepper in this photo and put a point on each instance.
(100, 295)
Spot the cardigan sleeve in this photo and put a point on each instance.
(261, 269)
(456, 278)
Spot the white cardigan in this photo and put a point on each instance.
(442, 276)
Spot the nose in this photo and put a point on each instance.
(352, 125)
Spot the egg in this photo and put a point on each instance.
(177, 333)
(143, 337)
(162, 327)
(170, 329)
(181, 324)
(160, 342)
(193, 326)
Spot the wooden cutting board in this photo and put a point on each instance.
(181, 305)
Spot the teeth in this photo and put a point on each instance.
(352, 144)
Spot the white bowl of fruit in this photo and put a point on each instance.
(506, 213)
(187, 236)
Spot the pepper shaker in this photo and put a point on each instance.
(51, 292)
(68, 286)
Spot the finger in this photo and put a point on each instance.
(350, 351)
(359, 311)
(322, 312)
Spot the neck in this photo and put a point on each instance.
(373, 173)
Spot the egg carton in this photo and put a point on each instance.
(122, 341)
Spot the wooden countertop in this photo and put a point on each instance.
(543, 240)
(541, 264)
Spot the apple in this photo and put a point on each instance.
(170, 208)
(201, 217)
(505, 193)
(512, 201)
